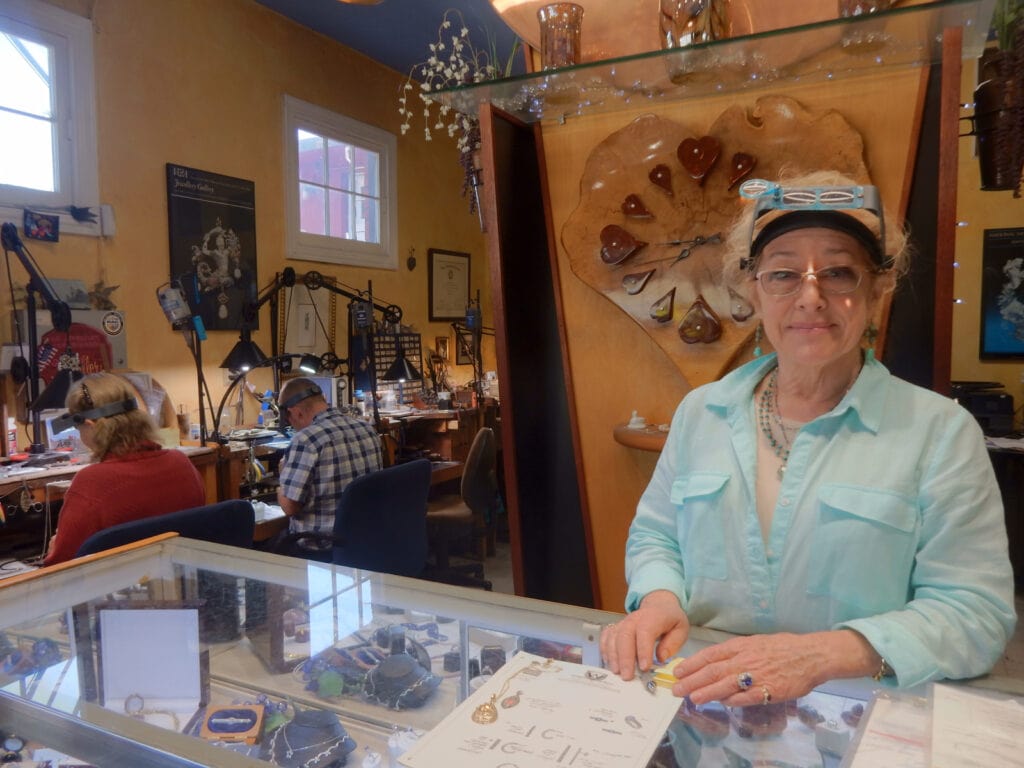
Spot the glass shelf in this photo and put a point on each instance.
(812, 53)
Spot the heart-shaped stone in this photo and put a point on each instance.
(661, 175)
(635, 282)
(739, 307)
(742, 165)
(617, 244)
(699, 156)
(634, 207)
(661, 310)
(700, 323)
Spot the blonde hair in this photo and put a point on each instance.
(120, 433)
(741, 234)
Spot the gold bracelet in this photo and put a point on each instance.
(135, 706)
(884, 670)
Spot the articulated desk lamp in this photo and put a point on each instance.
(474, 328)
(56, 393)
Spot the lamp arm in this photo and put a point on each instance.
(392, 312)
(217, 436)
(60, 318)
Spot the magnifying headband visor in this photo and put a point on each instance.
(808, 207)
(69, 420)
(298, 397)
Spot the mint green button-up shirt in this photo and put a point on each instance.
(889, 521)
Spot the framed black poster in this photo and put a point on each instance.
(448, 284)
(1002, 294)
(212, 224)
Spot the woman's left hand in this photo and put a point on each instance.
(758, 669)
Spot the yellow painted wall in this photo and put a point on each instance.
(201, 83)
(979, 211)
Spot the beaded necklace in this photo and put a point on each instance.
(767, 405)
(768, 409)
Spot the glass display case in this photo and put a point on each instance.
(179, 652)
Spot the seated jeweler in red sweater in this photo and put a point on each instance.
(133, 477)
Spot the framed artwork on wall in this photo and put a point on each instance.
(1002, 294)
(441, 347)
(447, 284)
(212, 225)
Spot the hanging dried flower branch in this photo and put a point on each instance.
(453, 61)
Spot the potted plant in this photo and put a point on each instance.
(454, 60)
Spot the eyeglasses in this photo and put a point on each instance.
(831, 280)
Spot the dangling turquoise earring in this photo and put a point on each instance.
(870, 334)
(757, 341)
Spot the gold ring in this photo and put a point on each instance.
(766, 695)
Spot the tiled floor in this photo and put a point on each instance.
(499, 571)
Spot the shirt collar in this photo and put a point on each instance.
(865, 400)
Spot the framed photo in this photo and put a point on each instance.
(212, 225)
(306, 320)
(463, 348)
(441, 347)
(1002, 294)
(448, 284)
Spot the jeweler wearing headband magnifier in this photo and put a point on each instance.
(132, 476)
(327, 452)
(844, 522)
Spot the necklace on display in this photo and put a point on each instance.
(290, 751)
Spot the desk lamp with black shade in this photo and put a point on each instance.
(56, 392)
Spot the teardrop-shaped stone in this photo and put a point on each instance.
(617, 244)
(634, 207)
(635, 282)
(742, 165)
(661, 310)
(739, 307)
(699, 156)
(661, 175)
(700, 323)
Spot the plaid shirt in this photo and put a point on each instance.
(322, 459)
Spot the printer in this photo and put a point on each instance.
(988, 403)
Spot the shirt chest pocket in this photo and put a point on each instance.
(863, 547)
(700, 524)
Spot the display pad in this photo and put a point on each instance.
(324, 662)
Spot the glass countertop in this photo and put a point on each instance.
(181, 651)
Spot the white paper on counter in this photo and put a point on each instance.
(971, 727)
(566, 714)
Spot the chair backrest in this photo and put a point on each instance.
(227, 522)
(382, 520)
(479, 476)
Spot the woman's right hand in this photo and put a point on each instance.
(659, 623)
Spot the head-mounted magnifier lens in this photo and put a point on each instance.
(69, 420)
(828, 202)
(294, 400)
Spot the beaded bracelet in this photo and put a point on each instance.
(884, 670)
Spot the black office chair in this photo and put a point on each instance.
(381, 521)
(469, 516)
(228, 522)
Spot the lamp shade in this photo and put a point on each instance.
(402, 370)
(244, 356)
(56, 392)
(309, 363)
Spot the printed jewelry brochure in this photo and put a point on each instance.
(540, 712)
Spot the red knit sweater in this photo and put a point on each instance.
(123, 488)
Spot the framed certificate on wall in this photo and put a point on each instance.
(448, 284)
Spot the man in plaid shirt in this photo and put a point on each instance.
(327, 452)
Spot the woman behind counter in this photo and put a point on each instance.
(133, 477)
(846, 522)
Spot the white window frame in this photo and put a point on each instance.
(336, 250)
(75, 112)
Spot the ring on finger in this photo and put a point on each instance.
(766, 695)
(744, 680)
